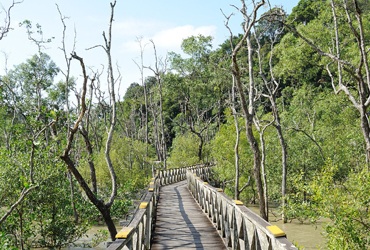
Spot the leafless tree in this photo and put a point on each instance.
(248, 107)
(270, 87)
(5, 28)
(102, 205)
(159, 69)
(145, 114)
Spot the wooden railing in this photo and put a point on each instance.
(138, 233)
(238, 226)
(170, 176)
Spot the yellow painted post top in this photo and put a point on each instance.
(123, 234)
(220, 190)
(205, 183)
(143, 205)
(238, 202)
(151, 183)
(151, 189)
(276, 231)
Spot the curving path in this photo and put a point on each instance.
(181, 224)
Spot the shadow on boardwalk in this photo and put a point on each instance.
(181, 224)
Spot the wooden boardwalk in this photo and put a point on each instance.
(181, 224)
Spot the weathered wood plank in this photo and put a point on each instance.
(181, 224)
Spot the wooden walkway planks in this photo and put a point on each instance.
(181, 224)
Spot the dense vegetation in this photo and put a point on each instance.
(282, 110)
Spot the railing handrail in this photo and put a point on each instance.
(237, 225)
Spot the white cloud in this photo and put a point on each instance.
(169, 39)
(172, 38)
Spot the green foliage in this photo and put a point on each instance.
(100, 236)
(54, 219)
(306, 11)
(6, 242)
(300, 205)
(184, 151)
(296, 63)
(222, 152)
(134, 92)
(132, 168)
(46, 217)
(195, 89)
(315, 121)
(123, 203)
(346, 203)
(31, 112)
(317, 126)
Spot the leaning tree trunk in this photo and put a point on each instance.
(105, 212)
(104, 209)
(248, 108)
(250, 137)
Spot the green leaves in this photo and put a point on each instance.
(184, 151)
(347, 205)
(24, 181)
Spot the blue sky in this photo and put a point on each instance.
(167, 22)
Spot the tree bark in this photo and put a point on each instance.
(99, 204)
(104, 209)
(249, 133)
(89, 149)
(237, 140)
(263, 161)
(73, 204)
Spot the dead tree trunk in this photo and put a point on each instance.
(248, 107)
(237, 140)
(158, 72)
(271, 86)
(100, 204)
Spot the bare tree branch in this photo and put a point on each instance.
(4, 30)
